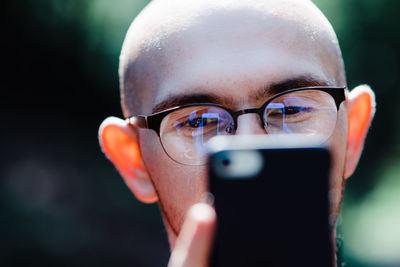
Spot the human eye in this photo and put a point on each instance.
(193, 127)
(289, 111)
(279, 113)
(196, 122)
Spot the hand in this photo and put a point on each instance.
(194, 242)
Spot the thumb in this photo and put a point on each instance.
(195, 239)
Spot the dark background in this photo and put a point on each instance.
(63, 204)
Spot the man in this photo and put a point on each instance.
(235, 53)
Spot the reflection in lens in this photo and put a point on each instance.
(185, 132)
(310, 112)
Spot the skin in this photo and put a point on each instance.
(231, 51)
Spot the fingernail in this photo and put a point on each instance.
(202, 212)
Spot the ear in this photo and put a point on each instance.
(360, 111)
(119, 142)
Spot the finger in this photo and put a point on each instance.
(195, 239)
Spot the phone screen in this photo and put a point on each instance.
(272, 207)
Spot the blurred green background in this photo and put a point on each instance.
(63, 204)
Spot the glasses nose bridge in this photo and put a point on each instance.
(248, 111)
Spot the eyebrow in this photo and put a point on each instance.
(292, 83)
(180, 100)
(263, 93)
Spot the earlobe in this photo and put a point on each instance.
(119, 143)
(360, 111)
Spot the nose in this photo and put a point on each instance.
(249, 124)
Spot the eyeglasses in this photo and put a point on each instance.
(184, 131)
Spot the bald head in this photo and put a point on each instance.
(196, 45)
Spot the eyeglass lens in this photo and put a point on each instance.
(185, 132)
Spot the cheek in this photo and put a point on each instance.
(178, 186)
(337, 146)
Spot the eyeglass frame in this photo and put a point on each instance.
(153, 121)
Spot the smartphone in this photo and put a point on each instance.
(271, 199)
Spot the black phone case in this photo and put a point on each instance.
(279, 217)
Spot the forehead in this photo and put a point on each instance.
(232, 52)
